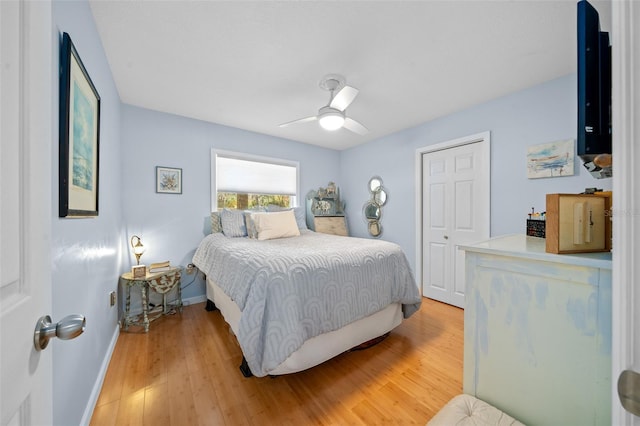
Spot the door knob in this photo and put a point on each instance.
(69, 327)
(629, 391)
(446, 237)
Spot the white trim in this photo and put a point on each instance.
(97, 386)
(193, 300)
(485, 138)
(249, 157)
(625, 15)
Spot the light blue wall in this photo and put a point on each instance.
(544, 113)
(86, 253)
(172, 225)
(89, 254)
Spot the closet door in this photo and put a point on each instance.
(455, 208)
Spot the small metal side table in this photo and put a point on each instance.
(160, 282)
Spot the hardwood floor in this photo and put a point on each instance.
(185, 372)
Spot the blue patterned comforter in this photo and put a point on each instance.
(292, 289)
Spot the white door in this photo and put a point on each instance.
(26, 97)
(455, 211)
(625, 44)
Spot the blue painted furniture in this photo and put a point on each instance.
(537, 342)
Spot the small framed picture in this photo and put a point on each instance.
(168, 180)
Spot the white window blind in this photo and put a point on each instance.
(255, 177)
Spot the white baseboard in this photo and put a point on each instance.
(136, 308)
(193, 300)
(97, 387)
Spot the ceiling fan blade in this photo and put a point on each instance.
(354, 126)
(343, 98)
(301, 120)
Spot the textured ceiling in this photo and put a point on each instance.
(256, 64)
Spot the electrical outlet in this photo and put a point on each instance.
(112, 298)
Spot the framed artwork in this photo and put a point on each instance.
(168, 180)
(551, 159)
(79, 136)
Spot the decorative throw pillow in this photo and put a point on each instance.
(233, 223)
(216, 224)
(300, 213)
(252, 232)
(275, 225)
(301, 217)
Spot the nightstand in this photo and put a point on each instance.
(336, 225)
(160, 282)
(325, 211)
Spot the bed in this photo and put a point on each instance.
(296, 301)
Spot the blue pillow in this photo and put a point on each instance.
(233, 224)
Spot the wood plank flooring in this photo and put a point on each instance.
(185, 372)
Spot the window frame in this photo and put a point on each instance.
(249, 157)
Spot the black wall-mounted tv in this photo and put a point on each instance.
(594, 93)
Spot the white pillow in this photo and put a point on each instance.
(275, 225)
(300, 212)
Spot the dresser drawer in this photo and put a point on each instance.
(336, 225)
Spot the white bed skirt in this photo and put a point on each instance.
(320, 348)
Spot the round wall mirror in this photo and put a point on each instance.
(380, 196)
(372, 211)
(375, 183)
(375, 229)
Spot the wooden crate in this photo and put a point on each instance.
(578, 223)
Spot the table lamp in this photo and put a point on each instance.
(138, 248)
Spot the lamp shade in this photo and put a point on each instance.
(331, 118)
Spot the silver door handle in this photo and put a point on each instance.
(629, 391)
(69, 327)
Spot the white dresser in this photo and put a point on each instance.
(537, 331)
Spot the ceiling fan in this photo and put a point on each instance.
(332, 116)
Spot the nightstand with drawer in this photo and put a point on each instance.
(336, 225)
(325, 211)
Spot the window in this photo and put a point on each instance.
(242, 181)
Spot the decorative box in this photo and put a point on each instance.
(536, 227)
(139, 271)
(578, 223)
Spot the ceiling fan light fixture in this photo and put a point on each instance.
(331, 119)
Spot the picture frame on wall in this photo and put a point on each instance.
(553, 159)
(168, 180)
(79, 156)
